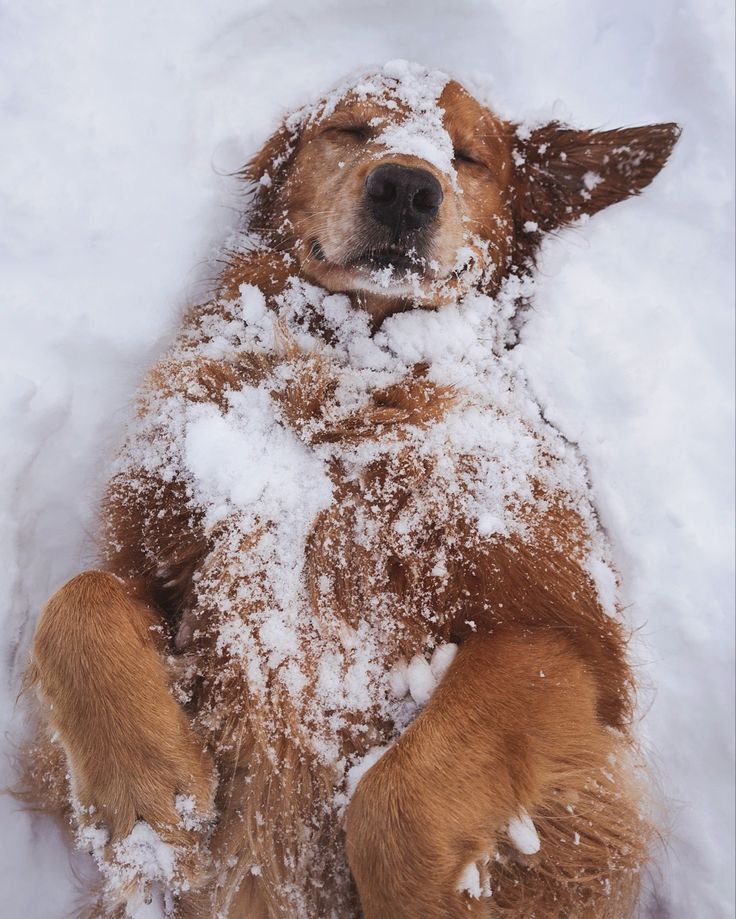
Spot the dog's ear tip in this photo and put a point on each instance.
(668, 134)
(670, 129)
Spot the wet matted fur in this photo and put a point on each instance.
(206, 693)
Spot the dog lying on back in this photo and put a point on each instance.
(354, 647)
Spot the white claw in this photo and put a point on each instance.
(469, 882)
(475, 881)
(441, 659)
(398, 679)
(422, 682)
(523, 833)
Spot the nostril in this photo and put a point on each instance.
(380, 187)
(427, 200)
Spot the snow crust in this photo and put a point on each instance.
(243, 456)
(112, 117)
(141, 863)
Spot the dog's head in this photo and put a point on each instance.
(401, 186)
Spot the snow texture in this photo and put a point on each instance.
(112, 117)
(415, 90)
(141, 861)
(260, 486)
(474, 880)
(245, 469)
(523, 833)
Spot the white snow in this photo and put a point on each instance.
(191, 817)
(470, 881)
(523, 833)
(421, 680)
(422, 133)
(244, 457)
(474, 880)
(359, 769)
(398, 679)
(111, 117)
(143, 854)
(442, 657)
(142, 864)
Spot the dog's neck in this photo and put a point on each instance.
(272, 271)
(379, 307)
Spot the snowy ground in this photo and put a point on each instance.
(115, 122)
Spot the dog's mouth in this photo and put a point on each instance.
(395, 269)
(393, 260)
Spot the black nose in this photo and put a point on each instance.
(401, 197)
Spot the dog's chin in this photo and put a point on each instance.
(389, 273)
(389, 281)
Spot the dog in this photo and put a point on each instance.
(354, 646)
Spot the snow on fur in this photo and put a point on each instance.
(412, 89)
(249, 472)
(259, 482)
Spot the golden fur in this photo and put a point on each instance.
(535, 710)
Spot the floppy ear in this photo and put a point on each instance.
(563, 174)
(272, 156)
(269, 166)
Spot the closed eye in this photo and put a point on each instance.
(462, 156)
(351, 131)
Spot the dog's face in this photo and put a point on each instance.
(378, 205)
(403, 187)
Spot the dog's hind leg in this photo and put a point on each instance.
(105, 688)
(505, 796)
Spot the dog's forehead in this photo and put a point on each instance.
(396, 92)
(412, 110)
(399, 87)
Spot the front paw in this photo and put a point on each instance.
(147, 821)
(475, 878)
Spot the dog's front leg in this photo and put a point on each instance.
(511, 731)
(130, 748)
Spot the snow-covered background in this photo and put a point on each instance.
(117, 121)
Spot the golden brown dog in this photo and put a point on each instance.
(335, 474)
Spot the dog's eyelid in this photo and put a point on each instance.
(464, 156)
(361, 131)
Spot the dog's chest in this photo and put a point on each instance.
(346, 491)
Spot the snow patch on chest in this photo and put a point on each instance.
(245, 459)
